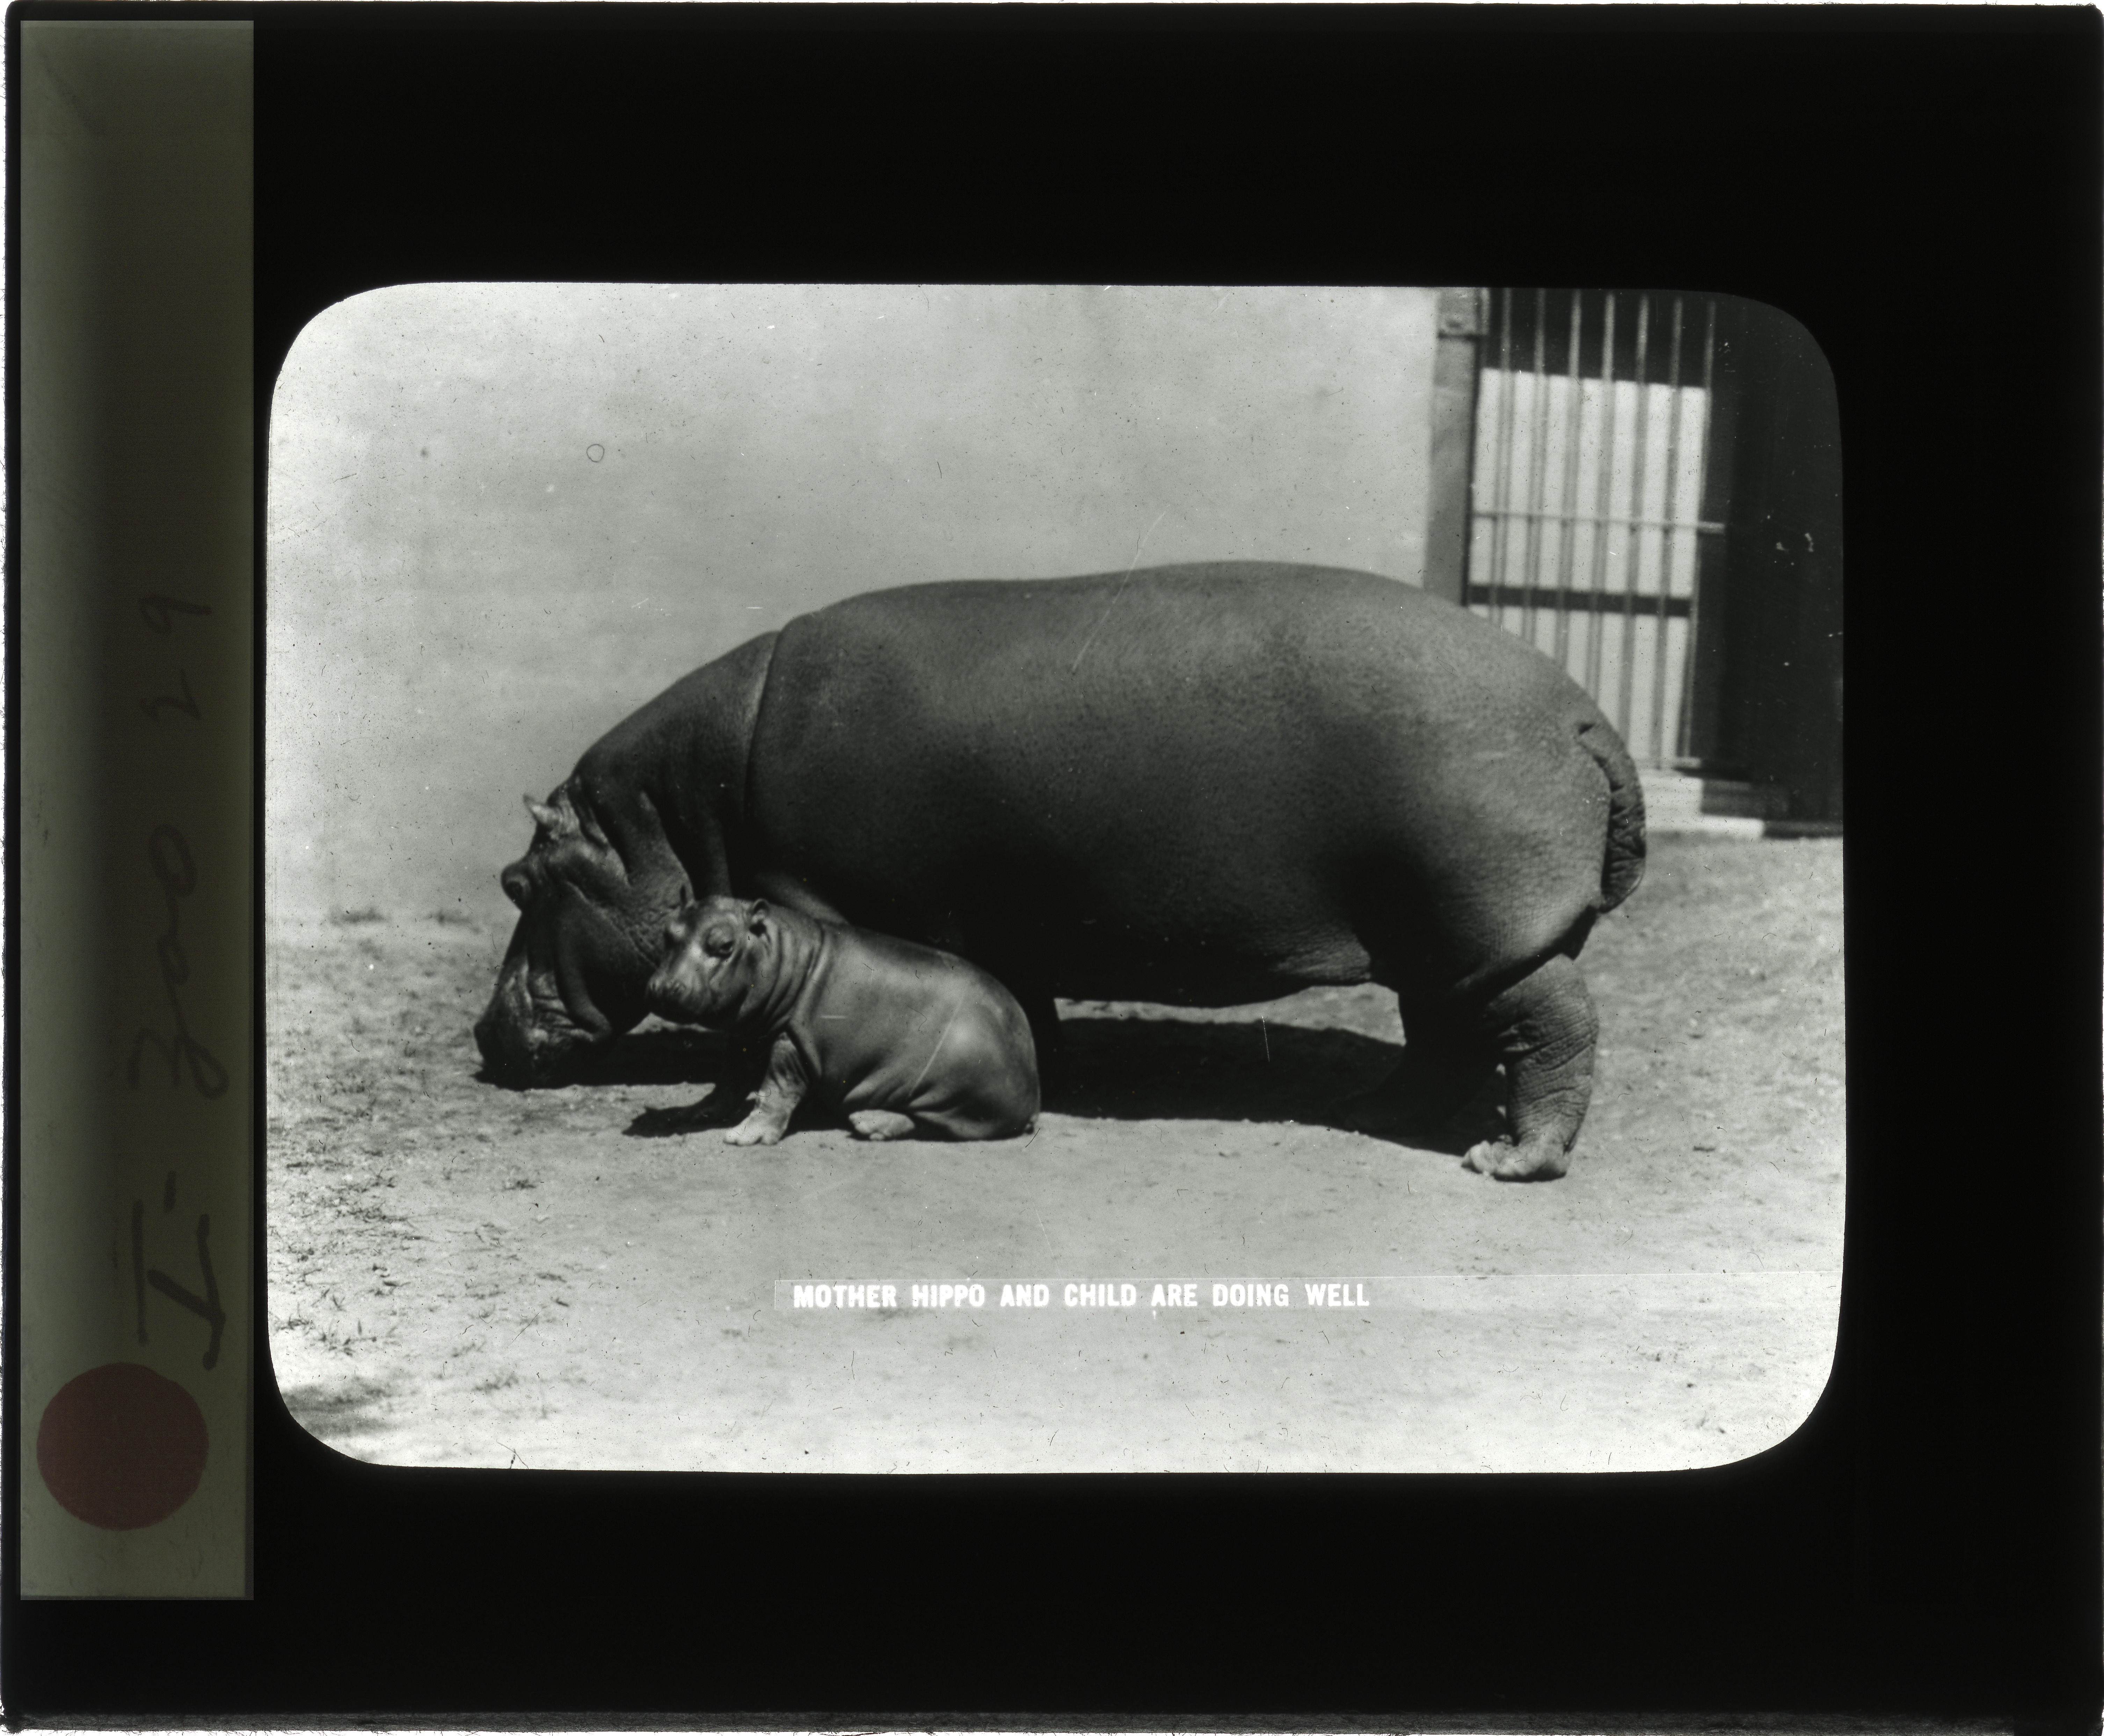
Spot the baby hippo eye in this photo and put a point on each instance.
(717, 945)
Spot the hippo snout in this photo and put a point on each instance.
(511, 1056)
(507, 1052)
(523, 1058)
(519, 1049)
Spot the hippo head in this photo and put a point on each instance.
(588, 935)
(716, 951)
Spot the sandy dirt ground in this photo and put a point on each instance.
(460, 1274)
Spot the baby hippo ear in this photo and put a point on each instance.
(756, 918)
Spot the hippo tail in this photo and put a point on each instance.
(1623, 868)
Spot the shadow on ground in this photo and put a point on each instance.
(658, 1055)
(341, 1414)
(1169, 1070)
(1155, 1069)
(1107, 1069)
(717, 1109)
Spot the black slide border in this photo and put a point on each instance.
(1921, 188)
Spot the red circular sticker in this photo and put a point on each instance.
(120, 1447)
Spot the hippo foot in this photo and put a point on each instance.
(880, 1124)
(755, 1130)
(1538, 1160)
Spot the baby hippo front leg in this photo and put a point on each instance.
(776, 1099)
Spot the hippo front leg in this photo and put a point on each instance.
(1544, 1028)
(788, 1079)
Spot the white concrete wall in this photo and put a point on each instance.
(502, 516)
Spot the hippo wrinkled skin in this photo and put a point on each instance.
(1202, 785)
(896, 1038)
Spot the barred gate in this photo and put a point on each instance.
(1588, 481)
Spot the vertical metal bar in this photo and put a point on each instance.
(1569, 546)
(1623, 720)
(1537, 485)
(1500, 495)
(1681, 744)
(1668, 544)
(1451, 504)
(1597, 625)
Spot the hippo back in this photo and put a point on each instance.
(1201, 784)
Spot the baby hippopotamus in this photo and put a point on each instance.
(901, 1038)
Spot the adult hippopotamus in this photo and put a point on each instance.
(894, 1038)
(1204, 785)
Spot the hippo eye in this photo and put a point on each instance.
(516, 886)
(717, 945)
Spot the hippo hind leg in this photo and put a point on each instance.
(1544, 1027)
(1447, 1064)
(880, 1124)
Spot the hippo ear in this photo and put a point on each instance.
(756, 918)
(559, 821)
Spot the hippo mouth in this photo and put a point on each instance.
(536, 1055)
(529, 1040)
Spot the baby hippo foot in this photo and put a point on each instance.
(880, 1124)
(776, 1100)
(1537, 1160)
(758, 1128)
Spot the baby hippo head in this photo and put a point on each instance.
(717, 950)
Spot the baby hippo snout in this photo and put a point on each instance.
(704, 965)
(669, 991)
